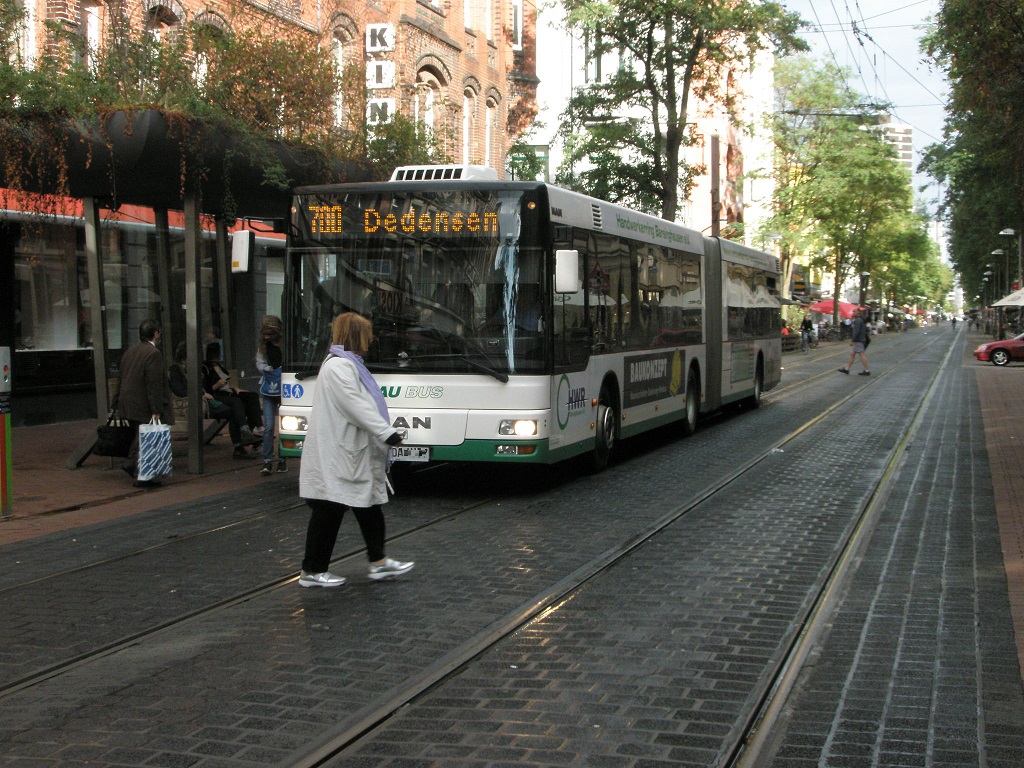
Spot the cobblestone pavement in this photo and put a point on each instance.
(920, 667)
(652, 663)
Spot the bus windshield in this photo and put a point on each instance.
(452, 280)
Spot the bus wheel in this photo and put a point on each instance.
(692, 404)
(606, 428)
(754, 400)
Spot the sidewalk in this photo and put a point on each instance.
(48, 497)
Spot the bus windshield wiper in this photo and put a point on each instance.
(307, 373)
(463, 357)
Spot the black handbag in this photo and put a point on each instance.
(115, 437)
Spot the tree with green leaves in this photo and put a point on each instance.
(630, 129)
(980, 46)
(840, 196)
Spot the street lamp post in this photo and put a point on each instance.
(1005, 282)
(1012, 233)
(863, 286)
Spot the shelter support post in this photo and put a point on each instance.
(193, 284)
(223, 260)
(98, 320)
(163, 272)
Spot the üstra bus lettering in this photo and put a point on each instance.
(413, 392)
(436, 222)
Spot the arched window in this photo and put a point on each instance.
(468, 120)
(345, 55)
(210, 28)
(91, 26)
(427, 99)
(26, 39)
(160, 19)
(492, 131)
(489, 129)
(517, 25)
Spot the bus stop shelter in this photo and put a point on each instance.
(148, 159)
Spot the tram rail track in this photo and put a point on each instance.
(364, 724)
(756, 726)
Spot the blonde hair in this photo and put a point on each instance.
(352, 331)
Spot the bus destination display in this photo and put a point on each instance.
(328, 220)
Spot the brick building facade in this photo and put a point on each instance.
(464, 68)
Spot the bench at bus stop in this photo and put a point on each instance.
(791, 343)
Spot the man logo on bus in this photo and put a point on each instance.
(570, 399)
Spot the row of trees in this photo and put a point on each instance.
(841, 200)
(980, 46)
(840, 196)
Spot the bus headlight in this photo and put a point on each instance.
(293, 423)
(518, 427)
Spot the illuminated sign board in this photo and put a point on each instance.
(331, 220)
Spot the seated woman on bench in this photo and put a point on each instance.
(246, 412)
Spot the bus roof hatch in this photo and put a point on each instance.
(444, 173)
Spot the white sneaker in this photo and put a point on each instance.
(389, 568)
(324, 579)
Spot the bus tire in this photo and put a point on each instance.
(692, 403)
(754, 400)
(606, 429)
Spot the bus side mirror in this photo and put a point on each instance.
(567, 271)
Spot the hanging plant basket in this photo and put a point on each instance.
(152, 158)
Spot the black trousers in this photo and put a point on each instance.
(246, 411)
(322, 532)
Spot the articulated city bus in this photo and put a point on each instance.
(521, 322)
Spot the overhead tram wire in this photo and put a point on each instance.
(859, 29)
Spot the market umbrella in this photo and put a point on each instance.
(827, 307)
(1015, 299)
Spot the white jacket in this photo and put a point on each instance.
(344, 453)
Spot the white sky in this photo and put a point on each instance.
(878, 41)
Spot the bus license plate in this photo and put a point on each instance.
(412, 453)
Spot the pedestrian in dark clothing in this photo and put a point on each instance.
(806, 333)
(858, 344)
(245, 406)
(143, 392)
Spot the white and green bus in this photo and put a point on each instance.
(521, 322)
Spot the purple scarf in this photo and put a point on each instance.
(337, 350)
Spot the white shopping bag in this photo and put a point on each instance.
(154, 450)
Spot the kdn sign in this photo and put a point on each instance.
(380, 38)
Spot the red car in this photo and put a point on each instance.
(1001, 352)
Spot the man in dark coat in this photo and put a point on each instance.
(143, 390)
